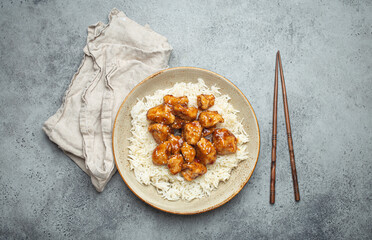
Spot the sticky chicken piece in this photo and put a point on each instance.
(185, 113)
(188, 152)
(224, 141)
(161, 114)
(210, 118)
(178, 123)
(173, 101)
(208, 131)
(176, 143)
(205, 101)
(193, 170)
(192, 132)
(175, 163)
(161, 153)
(160, 132)
(205, 152)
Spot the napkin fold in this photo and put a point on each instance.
(117, 57)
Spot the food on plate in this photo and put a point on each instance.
(178, 156)
(210, 118)
(173, 101)
(176, 143)
(178, 123)
(185, 113)
(160, 132)
(208, 131)
(188, 152)
(205, 101)
(205, 152)
(175, 163)
(192, 132)
(174, 150)
(161, 114)
(224, 141)
(193, 170)
(161, 153)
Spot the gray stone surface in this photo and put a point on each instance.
(326, 50)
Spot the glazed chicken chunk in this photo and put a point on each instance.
(176, 143)
(192, 132)
(205, 151)
(186, 113)
(173, 101)
(193, 170)
(224, 141)
(210, 118)
(208, 131)
(160, 132)
(175, 163)
(161, 114)
(188, 152)
(161, 153)
(205, 101)
(178, 123)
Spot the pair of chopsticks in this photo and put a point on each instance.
(289, 134)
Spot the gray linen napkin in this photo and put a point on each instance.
(117, 57)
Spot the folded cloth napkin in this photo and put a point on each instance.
(117, 57)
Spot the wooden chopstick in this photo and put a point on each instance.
(289, 134)
(273, 150)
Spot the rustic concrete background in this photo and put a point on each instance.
(326, 50)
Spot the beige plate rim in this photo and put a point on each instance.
(214, 206)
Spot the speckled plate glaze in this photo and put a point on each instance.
(166, 79)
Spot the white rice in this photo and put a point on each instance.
(142, 144)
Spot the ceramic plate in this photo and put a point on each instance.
(166, 79)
